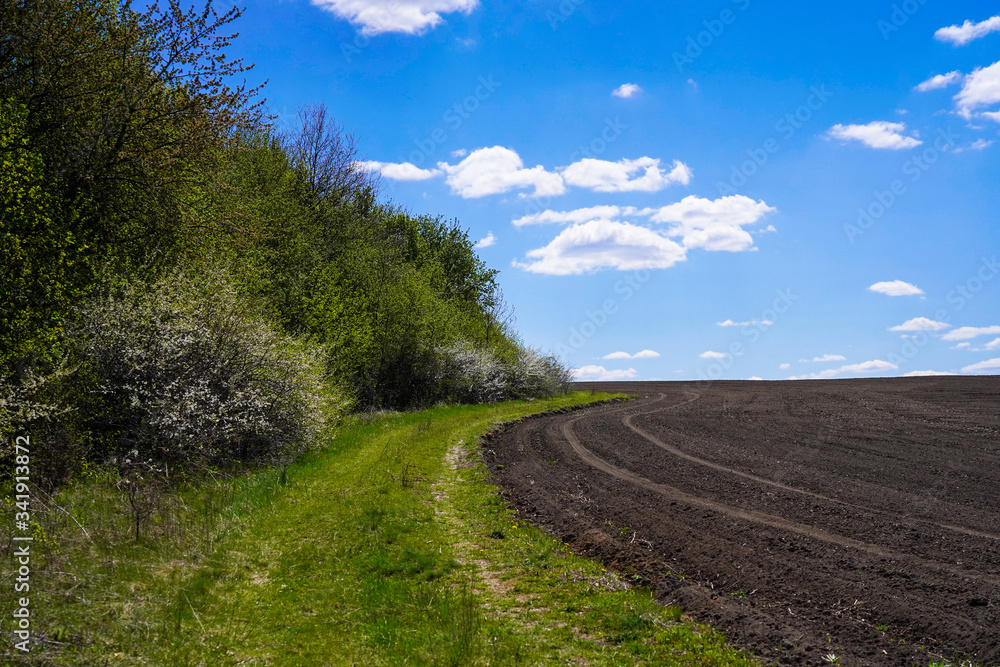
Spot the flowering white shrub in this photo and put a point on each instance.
(186, 368)
(468, 375)
(23, 402)
(533, 375)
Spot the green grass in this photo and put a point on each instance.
(386, 547)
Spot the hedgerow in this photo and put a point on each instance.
(182, 281)
(186, 368)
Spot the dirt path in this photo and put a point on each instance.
(805, 519)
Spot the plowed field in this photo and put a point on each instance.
(859, 518)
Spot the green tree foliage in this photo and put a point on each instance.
(41, 276)
(115, 115)
(383, 290)
(125, 156)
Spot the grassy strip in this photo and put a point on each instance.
(387, 547)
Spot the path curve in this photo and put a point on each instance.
(665, 485)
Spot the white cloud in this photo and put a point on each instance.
(992, 115)
(868, 367)
(939, 81)
(407, 16)
(644, 354)
(921, 324)
(577, 215)
(966, 333)
(496, 170)
(960, 35)
(977, 145)
(626, 90)
(920, 374)
(754, 377)
(486, 241)
(490, 171)
(992, 345)
(896, 288)
(601, 374)
(785, 367)
(980, 88)
(877, 134)
(988, 365)
(598, 244)
(606, 176)
(874, 366)
(711, 354)
(601, 242)
(830, 357)
(713, 224)
(398, 171)
(822, 375)
(980, 144)
(745, 323)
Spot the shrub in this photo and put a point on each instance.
(533, 375)
(468, 375)
(40, 406)
(29, 400)
(185, 368)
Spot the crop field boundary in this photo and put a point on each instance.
(842, 522)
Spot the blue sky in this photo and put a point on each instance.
(724, 189)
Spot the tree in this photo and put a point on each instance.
(112, 120)
(127, 110)
(325, 155)
(499, 318)
(38, 281)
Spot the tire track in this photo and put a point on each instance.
(627, 421)
(779, 564)
(675, 494)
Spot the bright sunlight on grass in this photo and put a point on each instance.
(386, 547)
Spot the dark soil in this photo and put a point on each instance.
(859, 518)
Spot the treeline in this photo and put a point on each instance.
(182, 282)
